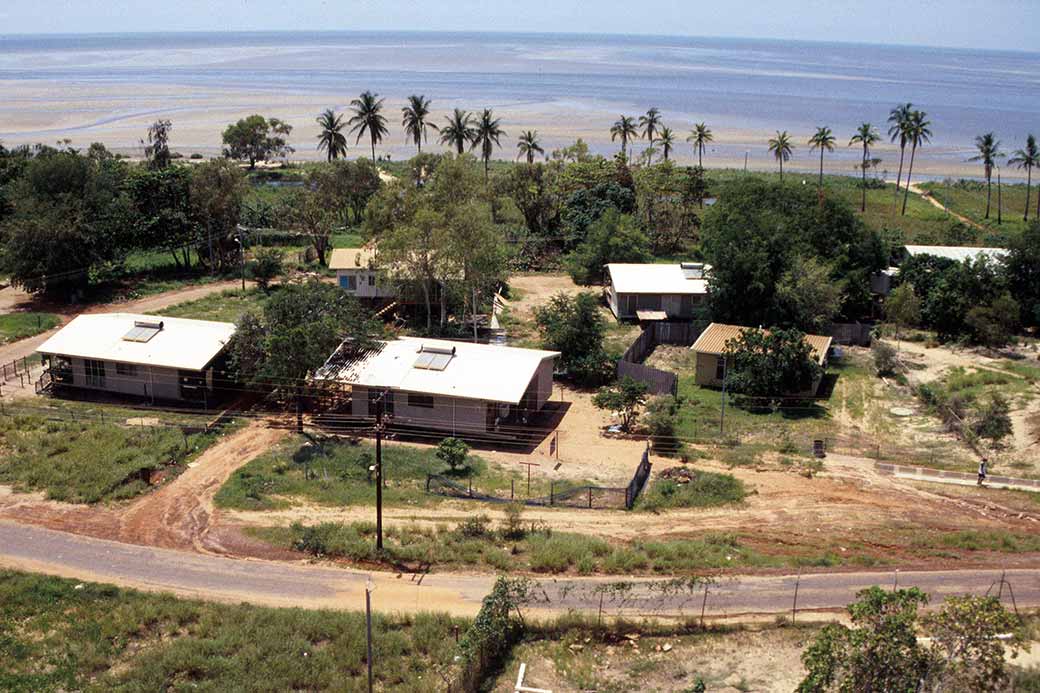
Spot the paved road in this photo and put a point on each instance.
(300, 584)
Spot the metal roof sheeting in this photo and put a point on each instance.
(714, 338)
(956, 252)
(181, 343)
(476, 371)
(352, 258)
(655, 279)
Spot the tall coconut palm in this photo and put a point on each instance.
(699, 137)
(780, 147)
(459, 130)
(1027, 158)
(823, 139)
(667, 141)
(624, 128)
(486, 135)
(988, 147)
(899, 119)
(866, 136)
(918, 134)
(650, 123)
(413, 118)
(331, 137)
(368, 117)
(527, 146)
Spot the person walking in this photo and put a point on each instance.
(982, 470)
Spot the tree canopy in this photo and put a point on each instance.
(768, 364)
(256, 138)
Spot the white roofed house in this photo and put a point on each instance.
(657, 291)
(146, 356)
(358, 272)
(458, 388)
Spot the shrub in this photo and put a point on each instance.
(475, 527)
(993, 418)
(266, 265)
(885, 361)
(661, 419)
(625, 397)
(453, 452)
(513, 526)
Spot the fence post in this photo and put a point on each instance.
(794, 607)
(552, 493)
(427, 483)
(512, 488)
(590, 497)
(704, 604)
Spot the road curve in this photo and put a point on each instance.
(300, 584)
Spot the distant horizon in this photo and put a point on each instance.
(477, 32)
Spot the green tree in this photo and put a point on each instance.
(368, 118)
(1028, 158)
(898, 131)
(988, 147)
(613, 237)
(527, 146)
(344, 188)
(415, 120)
(772, 363)
(965, 639)
(667, 142)
(585, 205)
(903, 307)
(331, 137)
(866, 136)
(1023, 272)
(575, 327)
(453, 452)
(459, 131)
(918, 134)
(624, 128)
(265, 267)
(700, 137)
(417, 251)
(314, 221)
(625, 397)
(161, 203)
(256, 139)
(823, 139)
(994, 323)
(157, 147)
(781, 147)
(487, 134)
(807, 296)
(216, 192)
(650, 122)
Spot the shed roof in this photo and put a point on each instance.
(652, 278)
(180, 343)
(714, 338)
(959, 253)
(352, 258)
(473, 371)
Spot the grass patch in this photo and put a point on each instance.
(226, 306)
(968, 198)
(981, 540)
(15, 326)
(83, 454)
(57, 635)
(705, 490)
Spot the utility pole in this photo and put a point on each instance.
(1000, 205)
(380, 405)
(368, 630)
(242, 260)
(725, 377)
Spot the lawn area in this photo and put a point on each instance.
(90, 454)
(60, 635)
(226, 306)
(15, 326)
(968, 198)
(336, 473)
(705, 490)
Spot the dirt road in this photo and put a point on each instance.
(301, 585)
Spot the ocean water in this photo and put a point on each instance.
(740, 85)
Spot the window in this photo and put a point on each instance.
(371, 280)
(129, 369)
(95, 372)
(421, 401)
(348, 282)
(720, 368)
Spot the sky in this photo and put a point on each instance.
(1004, 24)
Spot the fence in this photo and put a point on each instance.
(658, 381)
(854, 333)
(561, 494)
(19, 368)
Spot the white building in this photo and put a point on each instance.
(459, 388)
(358, 273)
(656, 292)
(140, 355)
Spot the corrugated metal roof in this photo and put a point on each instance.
(654, 279)
(352, 258)
(476, 371)
(181, 343)
(714, 338)
(956, 252)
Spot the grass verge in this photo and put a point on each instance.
(15, 326)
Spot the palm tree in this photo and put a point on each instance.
(700, 136)
(459, 130)
(899, 117)
(1027, 158)
(667, 142)
(823, 140)
(989, 151)
(780, 147)
(486, 135)
(918, 133)
(331, 138)
(867, 136)
(528, 146)
(413, 118)
(368, 117)
(624, 128)
(650, 123)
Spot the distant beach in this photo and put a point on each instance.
(110, 88)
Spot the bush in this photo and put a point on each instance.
(453, 452)
(661, 419)
(625, 397)
(266, 265)
(885, 361)
(993, 418)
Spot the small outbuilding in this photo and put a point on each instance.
(460, 388)
(710, 347)
(656, 292)
(358, 273)
(157, 358)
